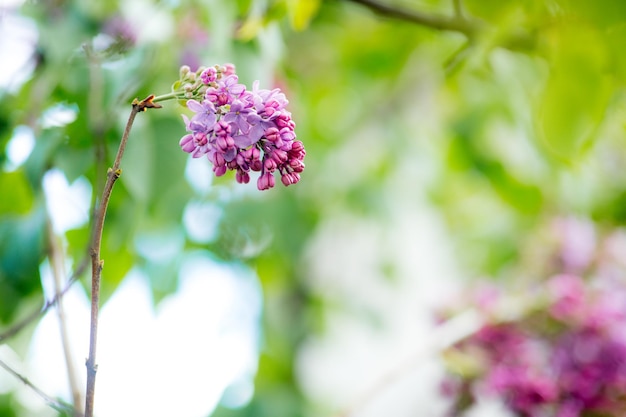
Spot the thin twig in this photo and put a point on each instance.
(96, 263)
(57, 267)
(518, 40)
(433, 21)
(48, 399)
(35, 315)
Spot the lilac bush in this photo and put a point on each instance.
(564, 355)
(239, 129)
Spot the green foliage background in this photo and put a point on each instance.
(499, 133)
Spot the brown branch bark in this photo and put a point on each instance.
(96, 263)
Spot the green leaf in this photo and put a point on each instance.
(15, 185)
(73, 162)
(577, 93)
(39, 160)
(250, 28)
(301, 12)
(22, 249)
(118, 260)
(137, 165)
(604, 13)
(163, 278)
(78, 241)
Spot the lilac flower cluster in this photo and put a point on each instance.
(243, 130)
(565, 356)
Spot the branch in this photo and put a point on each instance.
(48, 399)
(471, 28)
(96, 263)
(15, 329)
(56, 265)
(433, 21)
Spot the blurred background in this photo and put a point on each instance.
(453, 148)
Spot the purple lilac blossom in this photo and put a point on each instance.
(243, 130)
(573, 368)
(565, 355)
(577, 241)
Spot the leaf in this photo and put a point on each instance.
(118, 259)
(577, 93)
(137, 165)
(301, 12)
(250, 28)
(603, 13)
(22, 249)
(15, 185)
(74, 162)
(77, 240)
(38, 161)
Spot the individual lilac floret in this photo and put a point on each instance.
(243, 130)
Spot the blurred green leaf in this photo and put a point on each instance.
(40, 158)
(22, 249)
(118, 258)
(603, 13)
(137, 166)
(578, 91)
(163, 278)
(78, 243)
(301, 12)
(6, 406)
(73, 162)
(15, 184)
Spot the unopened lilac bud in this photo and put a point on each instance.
(297, 165)
(265, 181)
(218, 159)
(242, 177)
(187, 143)
(221, 143)
(287, 134)
(297, 146)
(286, 179)
(184, 70)
(209, 75)
(290, 178)
(284, 120)
(270, 164)
(256, 165)
(279, 156)
(219, 171)
(229, 69)
(272, 134)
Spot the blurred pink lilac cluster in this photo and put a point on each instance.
(563, 353)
